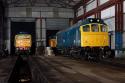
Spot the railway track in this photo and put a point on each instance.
(47, 70)
(92, 67)
(61, 73)
(21, 72)
(113, 63)
(65, 76)
(38, 75)
(108, 62)
(50, 73)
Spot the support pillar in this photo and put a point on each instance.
(44, 31)
(118, 27)
(8, 35)
(38, 33)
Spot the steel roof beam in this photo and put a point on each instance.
(62, 3)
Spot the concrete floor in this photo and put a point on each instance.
(78, 71)
(6, 67)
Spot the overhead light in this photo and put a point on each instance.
(98, 20)
(91, 20)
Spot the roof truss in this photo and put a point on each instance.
(43, 3)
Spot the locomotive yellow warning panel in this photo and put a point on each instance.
(94, 35)
(52, 43)
(23, 40)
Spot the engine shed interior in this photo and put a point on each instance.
(77, 41)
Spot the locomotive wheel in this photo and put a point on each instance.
(101, 55)
(71, 54)
(105, 55)
(113, 54)
(108, 54)
(86, 55)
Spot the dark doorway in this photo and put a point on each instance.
(50, 34)
(28, 27)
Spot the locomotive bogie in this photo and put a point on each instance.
(88, 53)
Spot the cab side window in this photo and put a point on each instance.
(86, 28)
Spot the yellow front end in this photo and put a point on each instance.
(93, 39)
(52, 43)
(23, 41)
(97, 38)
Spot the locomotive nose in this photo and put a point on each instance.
(95, 40)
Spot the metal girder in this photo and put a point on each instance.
(61, 3)
(78, 5)
(119, 16)
(13, 1)
(99, 8)
(48, 2)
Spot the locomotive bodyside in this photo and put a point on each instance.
(69, 38)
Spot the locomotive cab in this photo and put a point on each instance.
(94, 35)
(95, 38)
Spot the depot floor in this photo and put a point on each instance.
(58, 69)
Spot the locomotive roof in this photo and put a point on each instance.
(93, 20)
(22, 33)
(84, 22)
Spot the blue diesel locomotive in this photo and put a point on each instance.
(88, 39)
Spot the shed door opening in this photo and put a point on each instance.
(28, 27)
